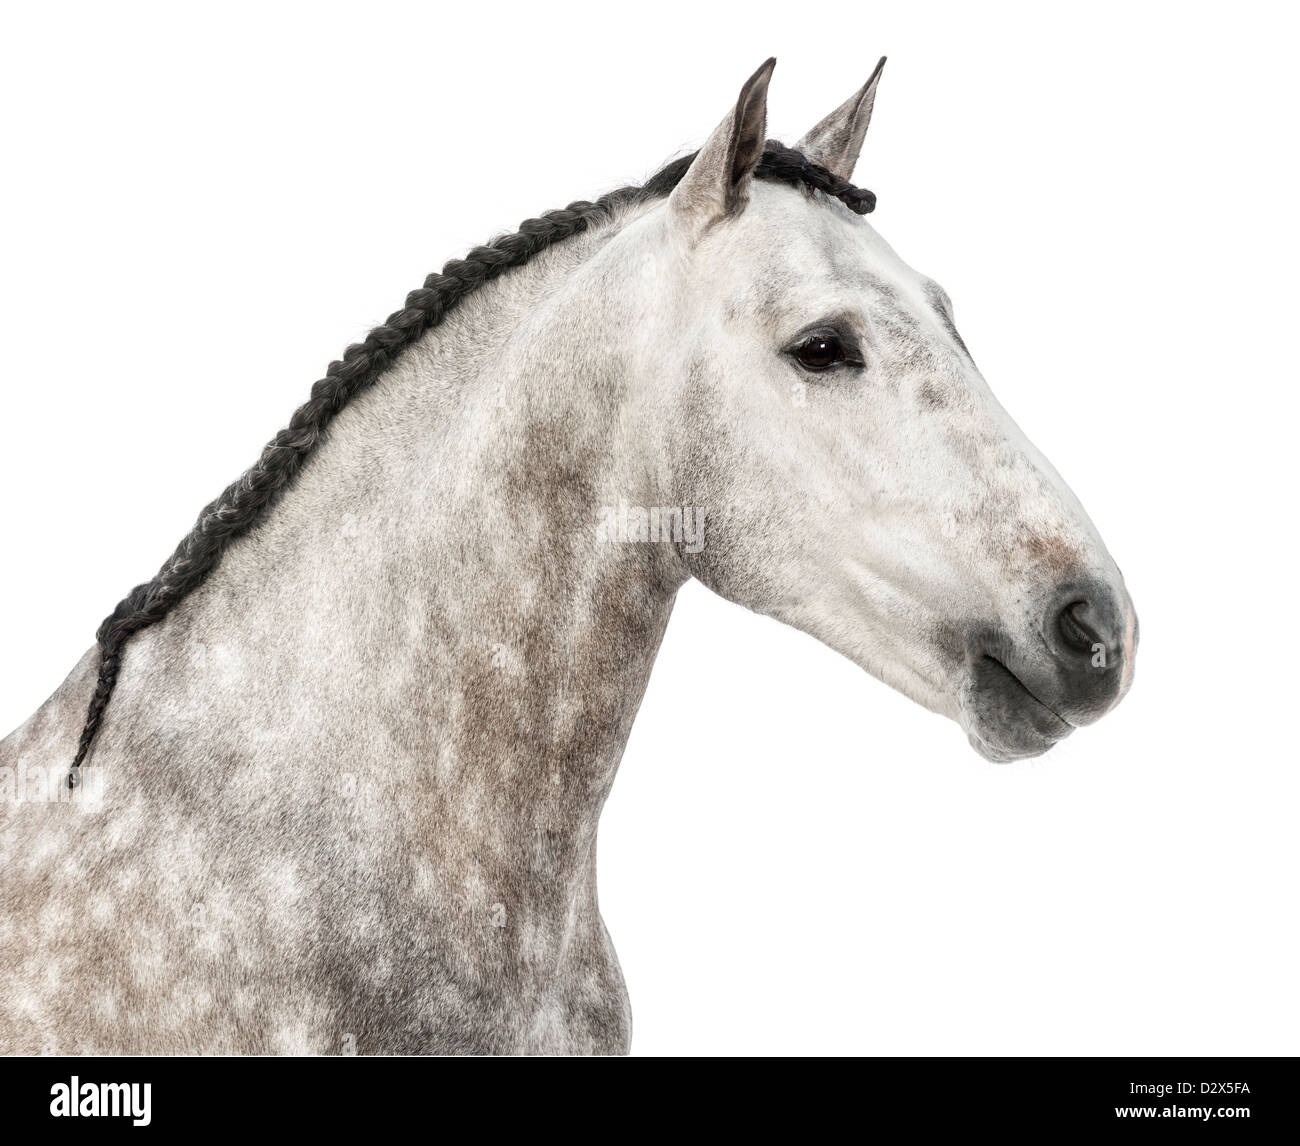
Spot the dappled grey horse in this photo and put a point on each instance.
(338, 785)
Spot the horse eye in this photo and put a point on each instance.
(820, 352)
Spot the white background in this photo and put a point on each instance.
(200, 208)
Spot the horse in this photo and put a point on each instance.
(330, 782)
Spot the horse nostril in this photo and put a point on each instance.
(1089, 632)
(1075, 631)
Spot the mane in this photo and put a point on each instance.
(245, 503)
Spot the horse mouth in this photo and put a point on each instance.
(1003, 718)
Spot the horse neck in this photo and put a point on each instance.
(432, 601)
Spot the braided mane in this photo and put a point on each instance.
(245, 503)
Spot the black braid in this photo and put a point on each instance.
(783, 164)
(243, 504)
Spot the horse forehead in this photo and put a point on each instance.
(819, 244)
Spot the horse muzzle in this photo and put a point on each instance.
(1021, 696)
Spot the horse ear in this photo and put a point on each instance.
(716, 182)
(836, 142)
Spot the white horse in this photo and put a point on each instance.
(363, 723)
